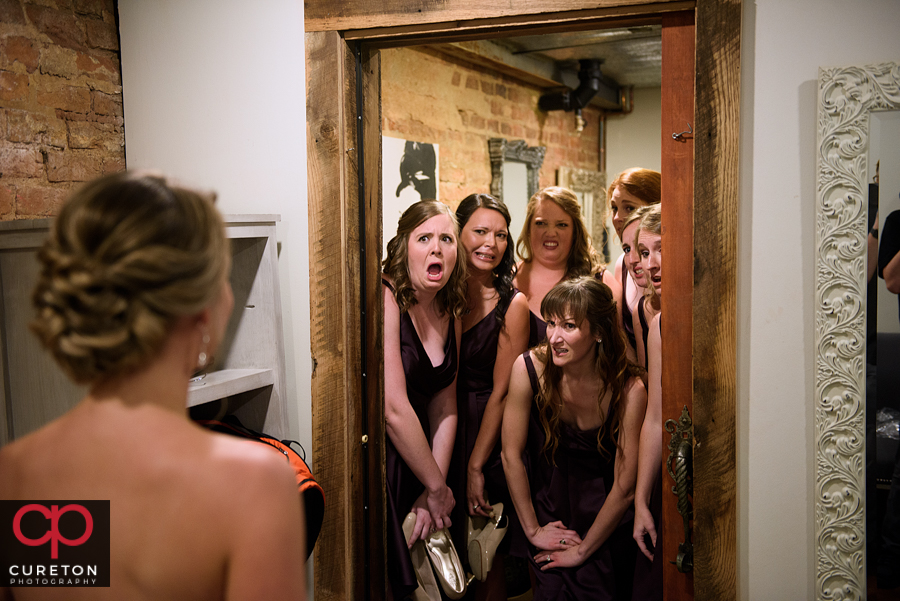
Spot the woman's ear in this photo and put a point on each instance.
(203, 318)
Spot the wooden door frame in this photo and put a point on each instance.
(345, 220)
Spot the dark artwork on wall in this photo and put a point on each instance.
(417, 169)
(409, 172)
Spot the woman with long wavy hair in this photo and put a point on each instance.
(574, 412)
(631, 190)
(554, 246)
(648, 304)
(495, 332)
(648, 490)
(424, 301)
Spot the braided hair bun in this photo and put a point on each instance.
(128, 254)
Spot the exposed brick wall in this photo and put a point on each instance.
(431, 97)
(61, 117)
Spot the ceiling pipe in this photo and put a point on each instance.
(589, 78)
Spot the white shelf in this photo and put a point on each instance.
(227, 382)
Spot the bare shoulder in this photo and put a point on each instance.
(518, 302)
(521, 280)
(635, 389)
(252, 463)
(612, 283)
(518, 310)
(25, 459)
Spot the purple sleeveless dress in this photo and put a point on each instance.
(475, 383)
(423, 382)
(648, 577)
(537, 330)
(573, 491)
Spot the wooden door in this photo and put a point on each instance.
(677, 171)
(345, 220)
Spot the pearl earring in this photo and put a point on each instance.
(203, 357)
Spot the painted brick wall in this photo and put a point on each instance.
(431, 97)
(61, 118)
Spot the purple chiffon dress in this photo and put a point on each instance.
(423, 382)
(572, 489)
(477, 357)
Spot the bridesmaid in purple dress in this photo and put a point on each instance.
(424, 299)
(648, 493)
(574, 411)
(554, 246)
(495, 332)
(629, 191)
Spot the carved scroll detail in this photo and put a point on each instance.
(501, 149)
(593, 182)
(846, 97)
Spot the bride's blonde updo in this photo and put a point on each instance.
(128, 254)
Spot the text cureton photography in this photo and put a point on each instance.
(54, 543)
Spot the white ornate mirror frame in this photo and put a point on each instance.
(593, 183)
(846, 98)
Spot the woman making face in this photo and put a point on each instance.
(648, 304)
(495, 332)
(574, 412)
(554, 246)
(424, 299)
(647, 500)
(630, 190)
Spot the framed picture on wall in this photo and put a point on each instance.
(409, 173)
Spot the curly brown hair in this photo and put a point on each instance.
(578, 299)
(128, 254)
(583, 259)
(452, 297)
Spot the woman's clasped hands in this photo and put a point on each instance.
(558, 546)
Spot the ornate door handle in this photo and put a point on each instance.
(680, 468)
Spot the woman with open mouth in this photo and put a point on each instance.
(574, 412)
(554, 246)
(629, 191)
(648, 304)
(495, 332)
(424, 301)
(648, 492)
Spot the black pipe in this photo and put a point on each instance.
(569, 100)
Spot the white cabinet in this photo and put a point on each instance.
(248, 378)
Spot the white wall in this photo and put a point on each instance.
(633, 140)
(215, 94)
(784, 44)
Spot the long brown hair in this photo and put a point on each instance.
(578, 299)
(506, 269)
(583, 259)
(452, 297)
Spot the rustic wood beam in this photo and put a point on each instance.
(328, 15)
